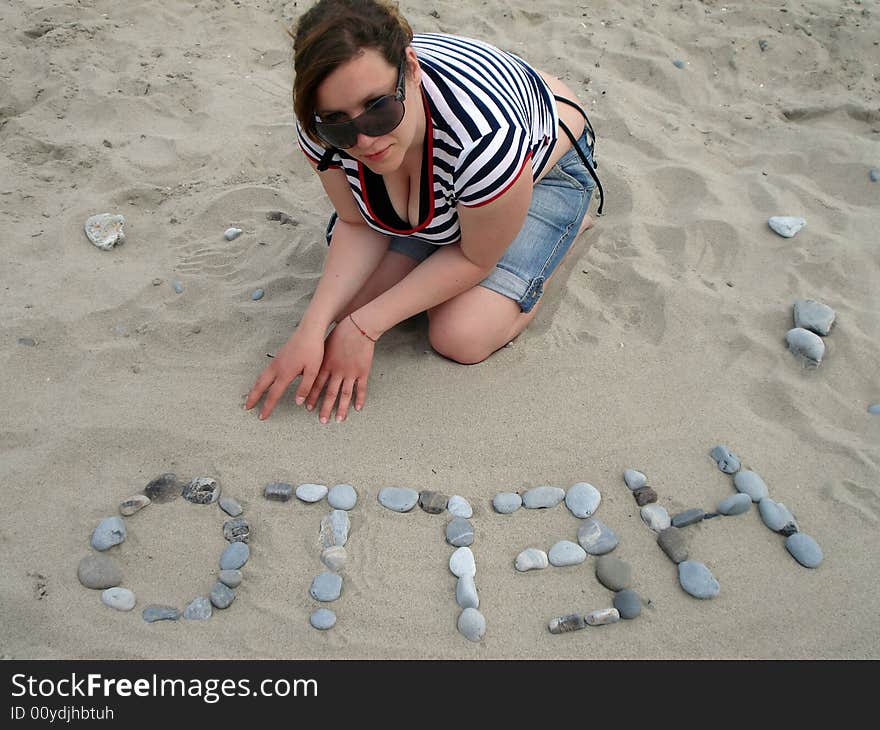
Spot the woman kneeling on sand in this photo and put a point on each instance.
(454, 194)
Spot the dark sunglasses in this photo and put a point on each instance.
(381, 117)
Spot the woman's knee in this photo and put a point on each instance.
(459, 340)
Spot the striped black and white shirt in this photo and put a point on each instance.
(489, 114)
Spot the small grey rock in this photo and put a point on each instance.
(777, 517)
(230, 506)
(565, 553)
(199, 609)
(655, 516)
(129, 506)
(155, 613)
(27, 341)
(874, 409)
(506, 502)
(804, 549)
(202, 490)
(163, 488)
(564, 624)
(334, 529)
(230, 234)
(596, 537)
(806, 344)
(697, 579)
(602, 617)
(748, 482)
(342, 496)
(398, 499)
(674, 543)
(460, 507)
(460, 532)
(582, 499)
(763, 45)
(613, 573)
(323, 619)
(786, 225)
(688, 517)
(334, 558)
(472, 624)
(466, 592)
(237, 530)
(177, 286)
(234, 556)
(326, 586)
(157, 281)
(874, 174)
(678, 63)
(644, 495)
(531, 559)
(735, 504)
(284, 219)
(278, 491)
(105, 230)
(727, 461)
(462, 563)
(542, 497)
(231, 578)
(432, 502)
(109, 532)
(311, 492)
(222, 595)
(627, 603)
(813, 316)
(634, 479)
(99, 571)
(257, 294)
(120, 599)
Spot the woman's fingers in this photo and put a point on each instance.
(264, 380)
(317, 387)
(345, 398)
(333, 385)
(361, 396)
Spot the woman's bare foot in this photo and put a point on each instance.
(586, 224)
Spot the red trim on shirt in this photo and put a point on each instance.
(506, 187)
(315, 160)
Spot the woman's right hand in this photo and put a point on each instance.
(300, 355)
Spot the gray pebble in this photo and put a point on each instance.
(466, 592)
(459, 532)
(460, 507)
(128, 507)
(602, 617)
(105, 230)
(398, 499)
(655, 516)
(874, 174)
(109, 532)
(644, 495)
(202, 490)
(237, 530)
(99, 571)
(613, 573)
(786, 225)
(27, 341)
(177, 286)
(462, 563)
(160, 613)
(234, 556)
(231, 578)
(531, 559)
(688, 517)
(814, 316)
(727, 461)
(674, 543)
(326, 586)
(157, 281)
(748, 482)
(542, 497)
(697, 579)
(472, 624)
(565, 553)
(311, 492)
(582, 499)
(342, 496)
(627, 603)
(323, 619)
(874, 409)
(334, 529)
(282, 217)
(564, 624)
(199, 609)
(230, 234)
(506, 502)
(806, 344)
(763, 45)
(222, 595)
(804, 549)
(163, 488)
(596, 537)
(121, 599)
(735, 504)
(278, 491)
(432, 502)
(334, 558)
(257, 294)
(777, 517)
(230, 506)
(634, 479)
(678, 63)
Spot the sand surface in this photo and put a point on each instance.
(663, 336)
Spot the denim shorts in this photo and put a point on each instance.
(559, 204)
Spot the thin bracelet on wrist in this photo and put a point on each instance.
(360, 329)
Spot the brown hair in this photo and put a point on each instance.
(334, 31)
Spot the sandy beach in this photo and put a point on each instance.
(663, 336)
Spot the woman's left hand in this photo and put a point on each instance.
(348, 357)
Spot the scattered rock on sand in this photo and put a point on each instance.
(644, 495)
(813, 316)
(466, 592)
(777, 517)
(564, 624)
(326, 586)
(334, 558)
(231, 578)
(120, 599)
(735, 504)
(786, 225)
(874, 174)
(459, 532)
(697, 580)
(432, 502)
(678, 63)
(613, 573)
(234, 556)
(202, 490)
(230, 506)
(542, 497)
(109, 532)
(278, 491)
(99, 571)
(342, 496)
(199, 609)
(236, 530)
(565, 553)
(627, 603)
(105, 230)
(602, 617)
(634, 479)
(398, 499)
(163, 488)
(462, 563)
(472, 624)
(874, 409)
(531, 559)
(334, 529)
(257, 294)
(596, 537)
(27, 341)
(323, 619)
(506, 502)
(674, 543)
(177, 286)
(135, 503)
(582, 499)
(655, 516)
(804, 549)
(749, 482)
(688, 517)
(459, 507)
(155, 613)
(311, 492)
(230, 234)
(222, 595)
(727, 461)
